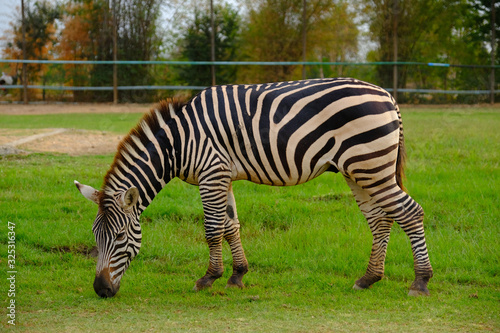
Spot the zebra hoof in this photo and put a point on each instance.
(231, 286)
(239, 285)
(198, 287)
(365, 282)
(356, 287)
(419, 287)
(235, 282)
(416, 293)
(205, 282)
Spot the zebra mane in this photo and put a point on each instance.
(149, 123)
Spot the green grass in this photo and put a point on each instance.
(306, 245)
(112, 122)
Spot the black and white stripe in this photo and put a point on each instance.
(278, 134)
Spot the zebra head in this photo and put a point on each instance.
(117, 233)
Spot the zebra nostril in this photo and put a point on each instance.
(105, 293)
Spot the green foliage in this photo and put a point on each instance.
(431, 31)
(480, 17)
(39, 18)
(137, 36)
(273, 32)
(306, 244)
(195, 45)
(40, 38)
(469, 47)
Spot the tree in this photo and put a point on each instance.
(88, 34)
(427, 31)
(274, 33)
(76, 44)
(195, 45)
(478, 38)
(40, 19)
(448, 31)
(139, 38)
(466, 46)
(332, 37)
(481, 21)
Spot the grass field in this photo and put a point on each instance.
(306, 245)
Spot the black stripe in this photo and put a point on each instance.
(366, 137)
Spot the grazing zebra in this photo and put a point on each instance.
(278, 134)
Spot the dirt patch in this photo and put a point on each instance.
(78, 249)
(68, 141)
(88, 251)
(9, 135)
(71, 142)
(76, 142)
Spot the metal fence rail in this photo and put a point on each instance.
(73, 88)
(239, 63)
(90, 88)
(235, 63)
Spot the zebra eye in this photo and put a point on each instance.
(120, 236)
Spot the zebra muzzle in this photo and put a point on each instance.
(103, 286)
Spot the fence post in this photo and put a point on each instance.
(115, 57)
(25, 81)
(212, 41)
(304, 38)
(492, 75)
(395, 49)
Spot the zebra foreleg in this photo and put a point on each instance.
(215, 266)
(380, 227)
(232, 236)
(213, 192)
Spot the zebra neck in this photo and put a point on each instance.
(154, 172)
(148, 166)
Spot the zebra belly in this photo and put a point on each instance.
(260, 179)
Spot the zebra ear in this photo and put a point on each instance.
(88, 192)
(129, 198)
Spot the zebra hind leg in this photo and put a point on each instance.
(380, 226)
(400, 207)
(410, 218)
(232, 236)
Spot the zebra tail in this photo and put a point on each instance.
(401, 160)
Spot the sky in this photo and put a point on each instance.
(7, 14)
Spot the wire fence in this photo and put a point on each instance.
(58, 80)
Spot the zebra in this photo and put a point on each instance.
(279, 134)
